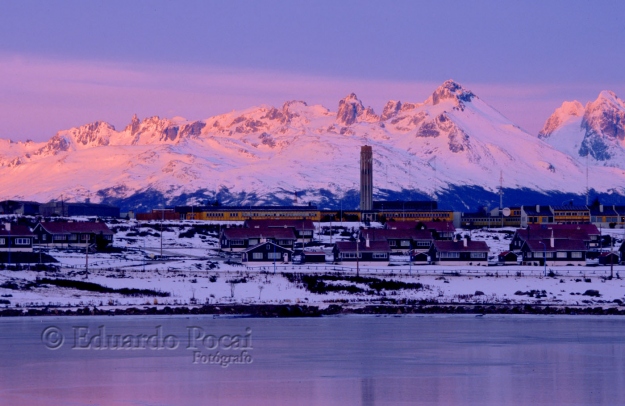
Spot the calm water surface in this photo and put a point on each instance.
(351, 360)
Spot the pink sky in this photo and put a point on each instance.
(42, 96)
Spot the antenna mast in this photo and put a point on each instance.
(500, 189)
(587, 185)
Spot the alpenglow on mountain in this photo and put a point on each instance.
(267, 154)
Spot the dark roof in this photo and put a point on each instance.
(277, 247)
(374, 246)
(570, 208)
(558, 245)
(380, 234)
(440, 226)
(401, 225)
(560, 231)
(543, 210)
(607, 211)
(17, 230)
(296, 224)
(245, 233)
(188, 209)
(458, 246)
(76, 227)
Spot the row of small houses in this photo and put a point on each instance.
(20, 238)
(426, 243)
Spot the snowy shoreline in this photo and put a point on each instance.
(193, 274)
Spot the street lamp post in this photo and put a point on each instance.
(544, 257)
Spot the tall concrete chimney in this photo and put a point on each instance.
(366, 178)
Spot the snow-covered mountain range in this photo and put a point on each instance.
(452, 139)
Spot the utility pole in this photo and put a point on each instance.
(587, 185)
(162, 219)
(357, 253)
(611, 257)
(86, 256)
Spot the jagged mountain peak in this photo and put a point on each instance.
(567, 111)
(451, 90)
(391, 109)
(352, 110)
(606, 99)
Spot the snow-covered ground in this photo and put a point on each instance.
(193, 271)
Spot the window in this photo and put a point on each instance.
(283, 242)
(253, 241)
(449, 255)
(306, 232)
(22, 241)
(85, 237)
(379, 255)
(561, 255)
(257, 255)
(350, 255)
(44, 237)
(59, 237)
(2, 241)
(274, 255)
(73, 237)
(236, 242)
(392, 243)
(405, 243)
(576, 254)
(423, 243)
(478, 255)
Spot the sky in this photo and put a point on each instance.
(68, 63)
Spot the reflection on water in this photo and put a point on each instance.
(444, 360)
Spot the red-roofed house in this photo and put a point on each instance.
(400, 240)
(365, 252)
(463, 252)
(16, 238)
(554, 251)
(73, 233)
(240, 239)
(588, 233)
(303, 229)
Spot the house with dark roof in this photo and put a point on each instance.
(463, 252)
(73, 233)
(303, 229)
(554, 251)
(16, 238)
(536, 215)
(364, 252)
(508, 258)
(266, 252)
(609, 258)
(603, 216)
(441, 230)
(400, 240)
(588, 233)
(240, 239)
